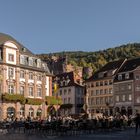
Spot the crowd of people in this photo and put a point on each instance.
(70, 125)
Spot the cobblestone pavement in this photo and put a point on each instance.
(117, 135)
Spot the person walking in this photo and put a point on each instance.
(137, 122)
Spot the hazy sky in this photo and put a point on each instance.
(47, 26)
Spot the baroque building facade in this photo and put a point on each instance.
(25, 81)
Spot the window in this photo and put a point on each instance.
(22, 111)
(38, 63)
(11, 57)
(110, 82)
(31, 112)
(65, 100)
(30, 91)
(138, 100)
(137, 88)
(105, 91)
(22, 74)
(137, 77)
(65, 91)
(11, 72)
(123, 97)
(89, 101)
(39, 92)
(92, 84)
(69, 91)
(22, 90)
(117, 98)
(116, 88)
(129, 86)
(30, 61)
(97, 101)
(122, 88)
(106, 99)
(101, 101)
(11, 89)
(60, 92)
(30, 75)
(92, 101)
(22, 59)
(119, 77)
(106, 83)
(97, 92)
(39, 77)
(110, 91)
(97, 84)
(101, 83)
(110, 100)
(127, 76)
(101, 91)
(92, 92)
(69, 100)
(130, 97)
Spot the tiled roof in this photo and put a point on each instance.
(23, 50)
(4, 38)
(130, 65)
(109, 67)
(66, 76)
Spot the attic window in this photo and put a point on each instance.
(24, 49)
(119, 77)
(127, 76)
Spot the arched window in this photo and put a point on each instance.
(22, 111)
(31, 112)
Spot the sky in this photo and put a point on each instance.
(48, 26)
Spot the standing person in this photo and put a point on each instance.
(137, 122)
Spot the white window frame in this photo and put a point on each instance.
(31, 91)
(11, 89)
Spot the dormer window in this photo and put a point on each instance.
(127, 76)
(24, 49)
(38, 63)
(119, 77)
(30, 61)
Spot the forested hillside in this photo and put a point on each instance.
(99, 58)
